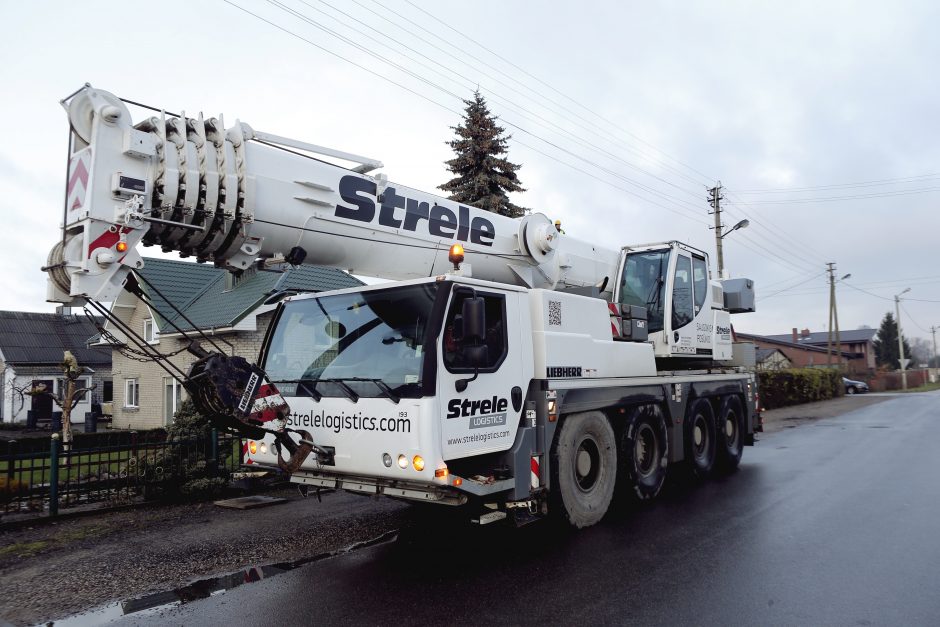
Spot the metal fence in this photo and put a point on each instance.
(37, 475)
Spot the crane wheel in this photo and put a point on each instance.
(584, 468)
(730, 428)
(644, 452)
(700, 438)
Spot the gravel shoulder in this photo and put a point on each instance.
(54, 569)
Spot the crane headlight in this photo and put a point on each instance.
(456, 255)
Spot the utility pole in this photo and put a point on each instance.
(714, 200)
(834, 316)
(897, 312)
(832, 300)
(936, 358)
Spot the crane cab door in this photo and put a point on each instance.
(672, 284)
(484, 416)
(691, 323)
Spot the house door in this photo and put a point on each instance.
(42, 403)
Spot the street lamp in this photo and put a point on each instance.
(834, 315)
(720, 236)
(743, 224)
(897, 311)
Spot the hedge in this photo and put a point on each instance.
(779, 388)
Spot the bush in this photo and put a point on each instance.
(182, 468)
(10, 488)
(780, 388)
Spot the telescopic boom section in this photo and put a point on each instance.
(234, 195)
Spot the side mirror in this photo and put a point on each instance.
(476, 356)
(474, 321)
(473, 338)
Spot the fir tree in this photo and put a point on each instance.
(483, 176)
(886, 344)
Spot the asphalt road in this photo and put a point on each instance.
(836, 522)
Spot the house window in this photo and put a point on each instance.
(151, 334)
(80, 384)
(131, 393)
(172, 397)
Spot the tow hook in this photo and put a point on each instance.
(531, 505)
(298, 452)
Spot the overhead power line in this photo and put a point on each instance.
(704, 177)
(792, 201)
(688, 214)
(911, 318)
(875, 183)
(558, 109)
(787, 289)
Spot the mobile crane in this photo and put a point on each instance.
(508, 366)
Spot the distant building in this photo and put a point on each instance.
(32, 346)
(799, 355)
(772, 359)
(859, 343)
(230, 310)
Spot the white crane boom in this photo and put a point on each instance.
(234, 195)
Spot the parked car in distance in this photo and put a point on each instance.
(854, 387)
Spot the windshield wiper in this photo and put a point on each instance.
(382, 385)
(341, 383)
(307, 385)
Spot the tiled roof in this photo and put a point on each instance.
(848, 336)
(28, 338)
(200, 290)
(764, 353)
(788, 343)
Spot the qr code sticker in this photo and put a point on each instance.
(554, 313)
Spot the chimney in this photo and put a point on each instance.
(805, 333)
(794, 335)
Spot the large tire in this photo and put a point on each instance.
(700, 440)
(644, 452)
(730, 431)
(584, 468)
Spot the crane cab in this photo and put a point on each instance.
(687, 315)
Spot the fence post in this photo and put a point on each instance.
(54, 476)
(11, 463)
(214, 452)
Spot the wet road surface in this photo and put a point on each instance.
(835, 522)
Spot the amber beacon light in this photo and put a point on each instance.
(456, 255)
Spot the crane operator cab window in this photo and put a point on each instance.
(700, 282)
(644, 282)
(454, 348)
(682, 305)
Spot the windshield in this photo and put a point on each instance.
(368, 344)
(643, 283)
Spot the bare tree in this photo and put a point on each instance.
(68, 397)
(921, 351)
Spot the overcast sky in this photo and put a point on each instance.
(622, 114)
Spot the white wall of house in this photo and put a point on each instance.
(14, 405)
(158, 395)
